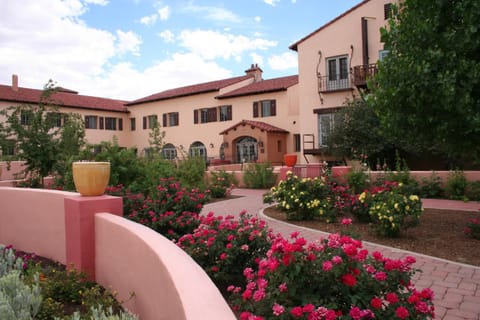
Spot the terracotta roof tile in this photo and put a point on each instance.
(190, 90)
(64, 98)
(256, 124)
(264, 86)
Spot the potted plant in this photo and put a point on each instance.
(290, 159)
(91, 177)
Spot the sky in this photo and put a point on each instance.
(128, 49)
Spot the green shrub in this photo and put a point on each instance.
(221, 183)
(18, 301)
(473, 191)
(357, 180)
(191, 172)
(456, 185)
(472, 229)
(431, 187)
(259, 176)
(152, 170)
(99, 313)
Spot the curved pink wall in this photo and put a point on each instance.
(167, 283)
(33, 220)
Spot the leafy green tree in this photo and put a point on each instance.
(156, 136)
(427, 90)
(39, 137)
(357, 131)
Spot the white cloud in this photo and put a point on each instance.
(164, 13)
(97, 2)
(212, 44)
(149, 20)
(271, 2)
(167, 36)
(128, 42)
(286, 60)
(256, 58)
(294, 1)
(257, 19)
(213, 13)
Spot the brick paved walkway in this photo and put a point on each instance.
(456, 285)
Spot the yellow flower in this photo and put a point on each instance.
(396, 206)
(390, 218)
(414, 197)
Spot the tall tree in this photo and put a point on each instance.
(427, 90)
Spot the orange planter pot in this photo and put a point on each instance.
(91, 178)
(290, 159)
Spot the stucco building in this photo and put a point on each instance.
(244, 118)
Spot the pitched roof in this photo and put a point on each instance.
(63, 97)
(190, 90)
(256, 124)
(295, 45)
(264, 86)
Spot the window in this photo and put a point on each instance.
(197, 149)
(279, 145)
(170, 119)
(26, 118)
(110, 123)
(387, 10)
(382, 54)
(55, 119)
(247, 150)
(150, 121)
(169, 151)
(205, 115)
(91, 122)
(133, 124)
(337, 73)
(120, 124)
(325, 126)
(265, 108)
(8, 148)
(225, 113)
(296, 142)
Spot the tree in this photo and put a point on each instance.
(427, 90)
(357, 131)
(40, 139)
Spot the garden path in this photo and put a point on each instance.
(456, 285)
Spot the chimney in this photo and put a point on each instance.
(14, 82)
(255, 72)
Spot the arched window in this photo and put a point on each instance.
(247, 150)
(197, 149)
(169, 151)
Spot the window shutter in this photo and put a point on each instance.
(164, 120)
(87, 124)
(255, 109)
(120, 124)
(273, 107)
(101, 122)
(212, 115)
(195, 116)
(229, 112)
(144, 122)
(387, 10)
(177, 119)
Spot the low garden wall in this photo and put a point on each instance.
(90, 234)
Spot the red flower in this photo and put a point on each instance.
(391, 297)
(402, 313)
(376, 303)
(349, 280)
(297, 312)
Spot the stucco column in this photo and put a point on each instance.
(80, 228)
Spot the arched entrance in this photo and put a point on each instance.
(246, 149)
(169, 152)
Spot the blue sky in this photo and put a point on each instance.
(128, 49)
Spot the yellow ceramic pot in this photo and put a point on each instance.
(91, 178)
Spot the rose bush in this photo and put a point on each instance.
(332, 279)
(473, 228)
(224, 247)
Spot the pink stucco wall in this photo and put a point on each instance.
(11, 171)
(33, 220)
(127, 257)
(167, 283)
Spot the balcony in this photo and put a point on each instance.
(332, 83)
(362, 73)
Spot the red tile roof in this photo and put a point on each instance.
(264, 86)
(190, 90)
(295, 45)
(256, 124)
(63, 98)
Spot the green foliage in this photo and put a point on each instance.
(473, 191)
(357, 130)
(431, 187)
(221, 183)
(259, 176)
(472, 229)
(456, 185)
(151, 170)
(156, 136)
(426, 90)
(18, 301)
(38, 138)
(100, 313)
(357, 180)
(191, 171)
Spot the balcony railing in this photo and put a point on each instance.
(362, 73)
(333, 83)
